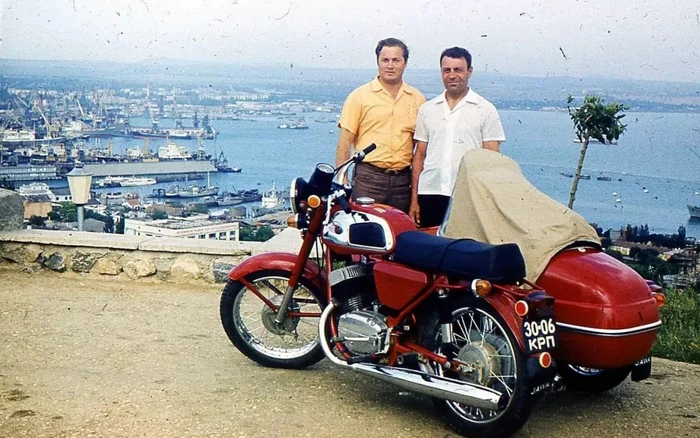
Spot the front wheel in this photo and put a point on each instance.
(592, 380)
(482, 339)
(250, 323)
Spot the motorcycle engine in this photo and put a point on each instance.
(362, 331)
(360, 328)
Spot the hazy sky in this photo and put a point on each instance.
(635, 39)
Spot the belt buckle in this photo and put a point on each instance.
(391, 171)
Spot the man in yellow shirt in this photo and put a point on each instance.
(382, 112)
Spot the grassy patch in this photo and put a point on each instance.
(679, 337)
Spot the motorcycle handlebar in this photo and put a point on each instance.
(366, 151)
(341, 171)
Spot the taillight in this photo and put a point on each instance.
(660, 299)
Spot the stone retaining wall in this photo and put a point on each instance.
(118, 256)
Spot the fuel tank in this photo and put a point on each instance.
(606, 314)
(367, 229)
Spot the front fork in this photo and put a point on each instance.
(286, 299)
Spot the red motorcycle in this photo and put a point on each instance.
(454, 319)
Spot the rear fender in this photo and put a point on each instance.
(505, 306)
(282, 261)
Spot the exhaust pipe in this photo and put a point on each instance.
(420, 382)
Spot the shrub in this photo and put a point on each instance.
(679, 336)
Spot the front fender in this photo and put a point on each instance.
(282, 261)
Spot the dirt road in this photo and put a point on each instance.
(80, 357)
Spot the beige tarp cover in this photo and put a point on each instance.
(493, 202)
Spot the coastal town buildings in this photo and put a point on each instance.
(197, 227)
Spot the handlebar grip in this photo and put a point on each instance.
(360, 155)
(343, 202)
(369, 149)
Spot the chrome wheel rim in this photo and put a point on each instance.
(296, 336)
(479, 339)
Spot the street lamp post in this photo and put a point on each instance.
(79, 181)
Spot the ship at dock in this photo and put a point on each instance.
(179, 132)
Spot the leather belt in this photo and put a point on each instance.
(387, 171)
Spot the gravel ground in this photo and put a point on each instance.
(84, 357)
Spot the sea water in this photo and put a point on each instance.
(654, 168)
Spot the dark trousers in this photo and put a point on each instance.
(432, 209)
(384, 186)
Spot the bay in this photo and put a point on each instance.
(654, 169)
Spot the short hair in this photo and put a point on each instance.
(392, 42)
(456, 53)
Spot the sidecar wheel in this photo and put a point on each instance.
(481, 336)
(249, 322)
(590, 380)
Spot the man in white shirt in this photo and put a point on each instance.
(454, 122)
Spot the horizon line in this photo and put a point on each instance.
(165, 61)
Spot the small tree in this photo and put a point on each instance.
(595, 120)
(159, 214)
(37, 221)
(119, 228)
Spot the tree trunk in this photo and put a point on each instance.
(574, 187)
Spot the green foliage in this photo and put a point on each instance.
(641, 234)
(594, 119)
(615, 254)
(68, 212)
(37, 221)
(54, 216)
(264, 233)
(6, 184)
(159, 214)
(258, 234)
(201, 208)
(119, 228)
(648, 264)
(679, 336)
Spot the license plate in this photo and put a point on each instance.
(540, 334)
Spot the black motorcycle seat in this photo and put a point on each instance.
(465, 258)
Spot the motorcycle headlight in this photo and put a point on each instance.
(297, 194)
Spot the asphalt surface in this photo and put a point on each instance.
(97, 358)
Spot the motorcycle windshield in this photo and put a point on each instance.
(493, 202)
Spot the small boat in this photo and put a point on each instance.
(299, 124)
(594, 140)
(111, 181)
(270, 203)
(584, 176)
(221, 165)
(694, 211)
(603, 178)
(283, 126)
(196, 192)
(137, 181)
(568, 175)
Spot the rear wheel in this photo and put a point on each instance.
(592, 380)
(250, 323)
(482, 339)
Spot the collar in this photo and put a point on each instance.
(377, 87)
(470, 97)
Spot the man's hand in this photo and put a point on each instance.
(414, 213)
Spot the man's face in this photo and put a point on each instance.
(391, 64)
(455, 75)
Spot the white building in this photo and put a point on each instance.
(190, 228)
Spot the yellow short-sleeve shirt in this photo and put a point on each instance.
(375, 116)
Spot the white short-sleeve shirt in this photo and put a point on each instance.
(451, 133)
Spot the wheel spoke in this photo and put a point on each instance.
(481, 339)
(295, 337)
